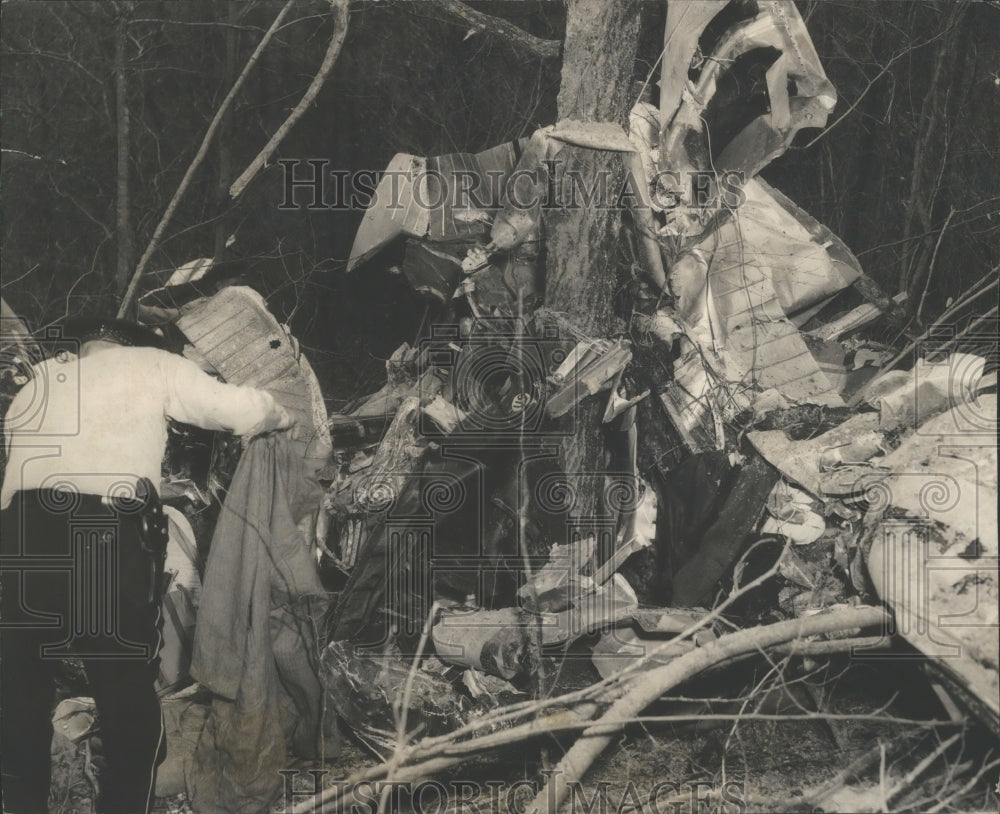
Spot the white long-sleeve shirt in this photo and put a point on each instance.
(97, 423)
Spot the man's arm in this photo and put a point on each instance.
(194, 397)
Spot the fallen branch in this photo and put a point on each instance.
(586, 700)
(920, 768)
(812, 798)
(432, 760)
(154, 243)
(488, 24)
(949, 801)
(652, 685)
(422, 759)
(941, 321)
(340, 17)
(419, 760)
(828, 646)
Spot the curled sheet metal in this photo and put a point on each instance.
(777, 25)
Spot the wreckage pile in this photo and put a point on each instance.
(773, 483)
(749, 441)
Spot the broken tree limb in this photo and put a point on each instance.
(579, 758)
(340, 17)
(851, 321)
(573, 710)
(488, 24)
(948, 801)
(873, 293)
(338, 797)
(920, 768)
(813, 797)
(154, 243)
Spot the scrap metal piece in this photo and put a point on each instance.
(593, 135)
(395, 208)
(777, 25)
(237, 334)
(441, 198)
(498, 642)
(591, 368)
(738, 290)
(932, 554)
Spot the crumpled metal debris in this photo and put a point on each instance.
(592, 366)
(683, 104)
(792, 515)
(75, 718)
(909, 398)
(931, 548)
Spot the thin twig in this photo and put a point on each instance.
(943, 804)
(930, 268)
(816, 796)
(871, 82)
(965, 300)
(435, 754)
(920, 768)
(340, 17)
(881, 779)
(213, 126)
(969, 329)
(402, 711)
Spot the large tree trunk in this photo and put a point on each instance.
(597, 71)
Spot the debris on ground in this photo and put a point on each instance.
(774, 486)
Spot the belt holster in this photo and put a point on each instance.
(153, 531)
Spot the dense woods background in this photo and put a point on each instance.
(104, 105)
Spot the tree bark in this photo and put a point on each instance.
(581, 238)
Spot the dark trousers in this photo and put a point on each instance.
(77, 582)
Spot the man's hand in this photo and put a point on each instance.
(286, 422)
(278, 419)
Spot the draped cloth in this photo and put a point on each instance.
(256, 642)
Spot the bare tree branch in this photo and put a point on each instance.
(643, 692)
(133, 284)
(340, 17)
(488, 24)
